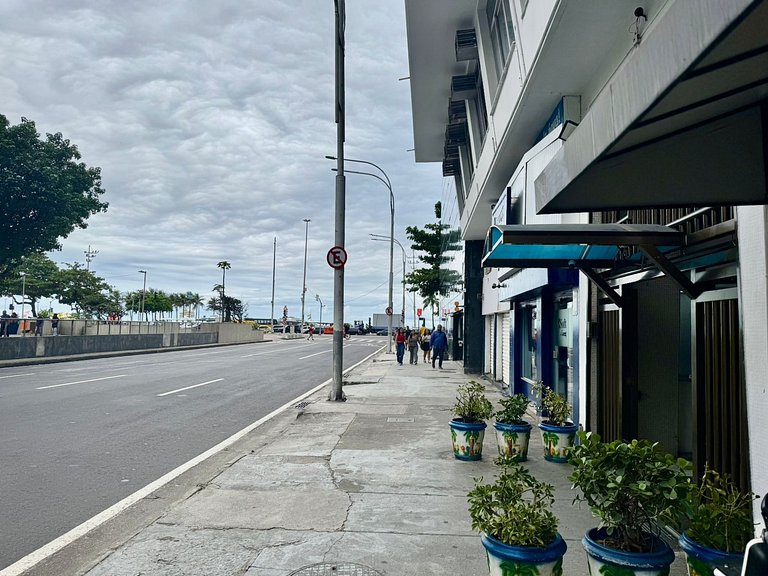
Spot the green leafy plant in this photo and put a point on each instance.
(515, 509)
(471, 403)
(513, 408)
(555, 405)
(721, 515)
(629, 486)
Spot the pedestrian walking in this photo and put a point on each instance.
(400, 341)
(39, 325)
(55, 325)
(413, 347)
(311, 333)
(4, 324)
(439, 344)
(425, 345)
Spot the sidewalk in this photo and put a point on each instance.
(369, 485)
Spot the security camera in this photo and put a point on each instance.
(640, 12)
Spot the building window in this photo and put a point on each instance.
(501, 30)
(529, 343)
(477, 104)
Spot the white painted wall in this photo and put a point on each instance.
(753, 287)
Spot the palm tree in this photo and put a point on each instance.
(196, 301)
(224, 265)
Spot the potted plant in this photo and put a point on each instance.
(512, 432)
(631, 487)
(472, 408)
(517, 527)
(719, 525)
(557, 432)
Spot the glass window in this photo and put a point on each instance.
(529, 343)
(502, 32)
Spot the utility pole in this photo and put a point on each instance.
(274, 259)
(143, 293)
(89, 255)
(304, 283)
(336, 393)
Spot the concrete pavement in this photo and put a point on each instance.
(369, 486)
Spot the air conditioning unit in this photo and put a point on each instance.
(451, 167)
(466, 45)
(457, 110)
(463, 87)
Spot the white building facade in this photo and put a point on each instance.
(609, 166)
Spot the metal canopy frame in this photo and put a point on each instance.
(588, 247)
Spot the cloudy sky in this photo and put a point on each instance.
(210, 121)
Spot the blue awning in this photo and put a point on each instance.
(572, 245)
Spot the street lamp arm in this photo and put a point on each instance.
(382, 237)
(380, 179)
(379, 168)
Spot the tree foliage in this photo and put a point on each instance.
(41, 280)
(434, 242)
(45, 192)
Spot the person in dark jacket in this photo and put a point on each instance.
(438, 342)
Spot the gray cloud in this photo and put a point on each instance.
(210, 121)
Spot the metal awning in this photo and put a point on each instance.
(685, 129)
(584, 246)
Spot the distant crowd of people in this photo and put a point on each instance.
(433, 345)
(9, 324)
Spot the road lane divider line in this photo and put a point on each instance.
(17, 375)
(189, 387)
(281, 350)
(316, 354)
(80, 382)
(34, 558)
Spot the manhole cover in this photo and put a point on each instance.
(335, 570)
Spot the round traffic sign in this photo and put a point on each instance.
(389, 311)
(336, 257)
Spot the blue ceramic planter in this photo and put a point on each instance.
(513, 439)
(467, 439)
(558, 441)
(604, 560)
(702, 561)
(504, 559)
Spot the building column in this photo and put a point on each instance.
(753, 297)
(474, 337)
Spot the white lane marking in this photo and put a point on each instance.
(17, 375)
(315, 354)
(281, 350)
(34, 558)
(190, 387)
(80, 382)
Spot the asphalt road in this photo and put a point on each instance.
(77, 437)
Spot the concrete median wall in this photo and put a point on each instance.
(65, 345)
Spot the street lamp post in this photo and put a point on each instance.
(274, 259)
(23, 298)
(388, 184)
(382, 238)
(304, 283)
(317, 297)
(143, 294)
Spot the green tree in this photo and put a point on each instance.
(45, 192)
(233, 308)
(41, 280)
(87, 293)
(157, 302)
(434, 243)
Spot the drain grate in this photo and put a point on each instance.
(302, 404)
(335, 570)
